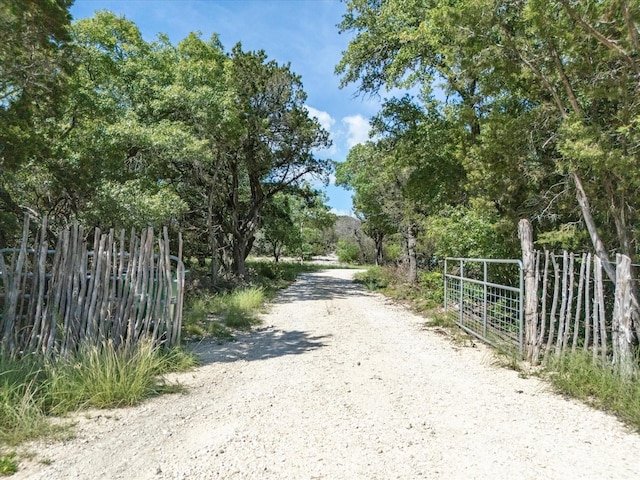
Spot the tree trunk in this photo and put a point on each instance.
(378, 238)
(239, 256)
(585, 207)
(530, 291)
(623, 338)
(411, 254)
(213, 243)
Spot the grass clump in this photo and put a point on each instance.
(241, 305)
(34, 388)
(375, 278)
(577, 375)
(8, 464)
(104, 376)
(22, 410)
(217, 315)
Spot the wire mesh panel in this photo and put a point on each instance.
(486, 297)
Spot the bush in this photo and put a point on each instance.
(348, 251)
(432, 285)
(375, 278)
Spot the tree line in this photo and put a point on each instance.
(526, 108)
(103, 128)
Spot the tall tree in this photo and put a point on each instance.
(35, 61)
(277, 139)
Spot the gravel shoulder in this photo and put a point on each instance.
(340, 384)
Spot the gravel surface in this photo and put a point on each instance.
(340, 384)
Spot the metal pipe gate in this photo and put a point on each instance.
(489, 310)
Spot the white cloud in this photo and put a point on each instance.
(342, 213)
(326, 121)
(358, 128)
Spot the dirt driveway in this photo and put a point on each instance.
(340, 384)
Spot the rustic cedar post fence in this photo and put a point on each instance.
(53, 301)
(575, 315)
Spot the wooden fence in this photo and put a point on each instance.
(570, 305)
(52, 301)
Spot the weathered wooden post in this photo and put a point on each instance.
(530, 291)
(622, 325)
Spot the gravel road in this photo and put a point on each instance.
(340, 384)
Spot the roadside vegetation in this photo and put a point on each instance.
(34, 390)
(216, 313)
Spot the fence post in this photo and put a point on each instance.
(530, 290)
(622, 328)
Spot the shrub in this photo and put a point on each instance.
(432, 284)
(348, 251)
(375, 278)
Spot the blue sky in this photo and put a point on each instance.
(300, 32)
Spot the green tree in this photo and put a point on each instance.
(275, 144)
(294, 222)
(35, 62)
(361, 174)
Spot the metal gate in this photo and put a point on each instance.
(487, 299)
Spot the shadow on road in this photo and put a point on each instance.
(268, 342)
(318, 286)
(260, 344)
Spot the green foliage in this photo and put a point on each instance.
(130, 204)
(427, 294)
(577, 374)
(348, 251)
(569, 237)
(533, 110)
(105, 377)
(22, 412)
(375, 278)
(241, 305)
(8, 464)
(468, 233)
(187, 135)
(31, 389)
(432, 283)
(218, 315)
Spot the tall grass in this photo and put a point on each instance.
(22, 412)
(241, 307)
(32, 389)
(104, 377)
(577, 375)
(218, 315)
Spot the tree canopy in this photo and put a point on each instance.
(541, 97)
(102, 127)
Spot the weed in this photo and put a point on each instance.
(577, 375)
(8, 464)
(104, 377)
